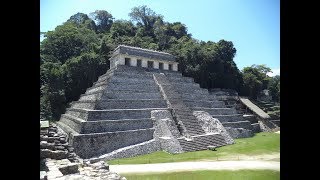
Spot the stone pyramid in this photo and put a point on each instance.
(143, 104)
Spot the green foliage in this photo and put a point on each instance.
(81, 72)
(205, 175)
(144, 16)
(70, 62)
(103, 20)
(122, 28)
(52, 97)
(255, 79)
(274, 88)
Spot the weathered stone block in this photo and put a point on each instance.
(46, 153)
(70, 168)
(60, 148)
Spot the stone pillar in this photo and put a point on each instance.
(112, 63)
(119, 60)
(165, 66)
(144, 63)
(175, 67)
(133, 62)
(156, 64)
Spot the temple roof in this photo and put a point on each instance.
(147, 53)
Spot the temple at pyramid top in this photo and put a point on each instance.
(134, 56)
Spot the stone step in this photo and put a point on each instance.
(193, 90)
(239, 124)
(72, 121)
(96, 144)
(124, 83)
(250, 117)
(217, 111)
(183, 85)
(132, 95)
(99, 95)
(116, 125)
(116, 79)
(111, 114)
(173, 74)
(120, 104)
(86, 127)
(205, 104)
(201, 97)
(194, 132)
(180, 79)
(132, 104)
(146, 87)
(202, 142)
(228, 118)
(133, 75)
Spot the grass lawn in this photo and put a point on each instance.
(261, 143)
(205, 175)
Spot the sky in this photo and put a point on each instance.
(252, 25)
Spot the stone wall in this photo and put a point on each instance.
(212, 125)
(239, 124)
(256, 127)
(58, 161)
(130, 151)
(90, 145)
(64, 170)
(115, 125)
(54, 145)
(166, 132)
(239, 132)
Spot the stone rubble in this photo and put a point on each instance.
(63, 164)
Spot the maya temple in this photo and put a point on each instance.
(144, 104)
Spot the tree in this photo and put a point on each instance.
(274, 88)
(81, 72)
(178, 30)
(103, 20)
(144, 16)
(78, 18)
(122, 28)
(52, 90)
(63, 43)
(255, 79)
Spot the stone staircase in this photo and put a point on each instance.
(195, 137)
(180, 110)
(202, 100)
(201, 142)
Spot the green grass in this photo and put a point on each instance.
(206, 175)
(261, 143)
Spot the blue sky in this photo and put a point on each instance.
(252, 25)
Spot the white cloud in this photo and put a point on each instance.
(274, 72)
